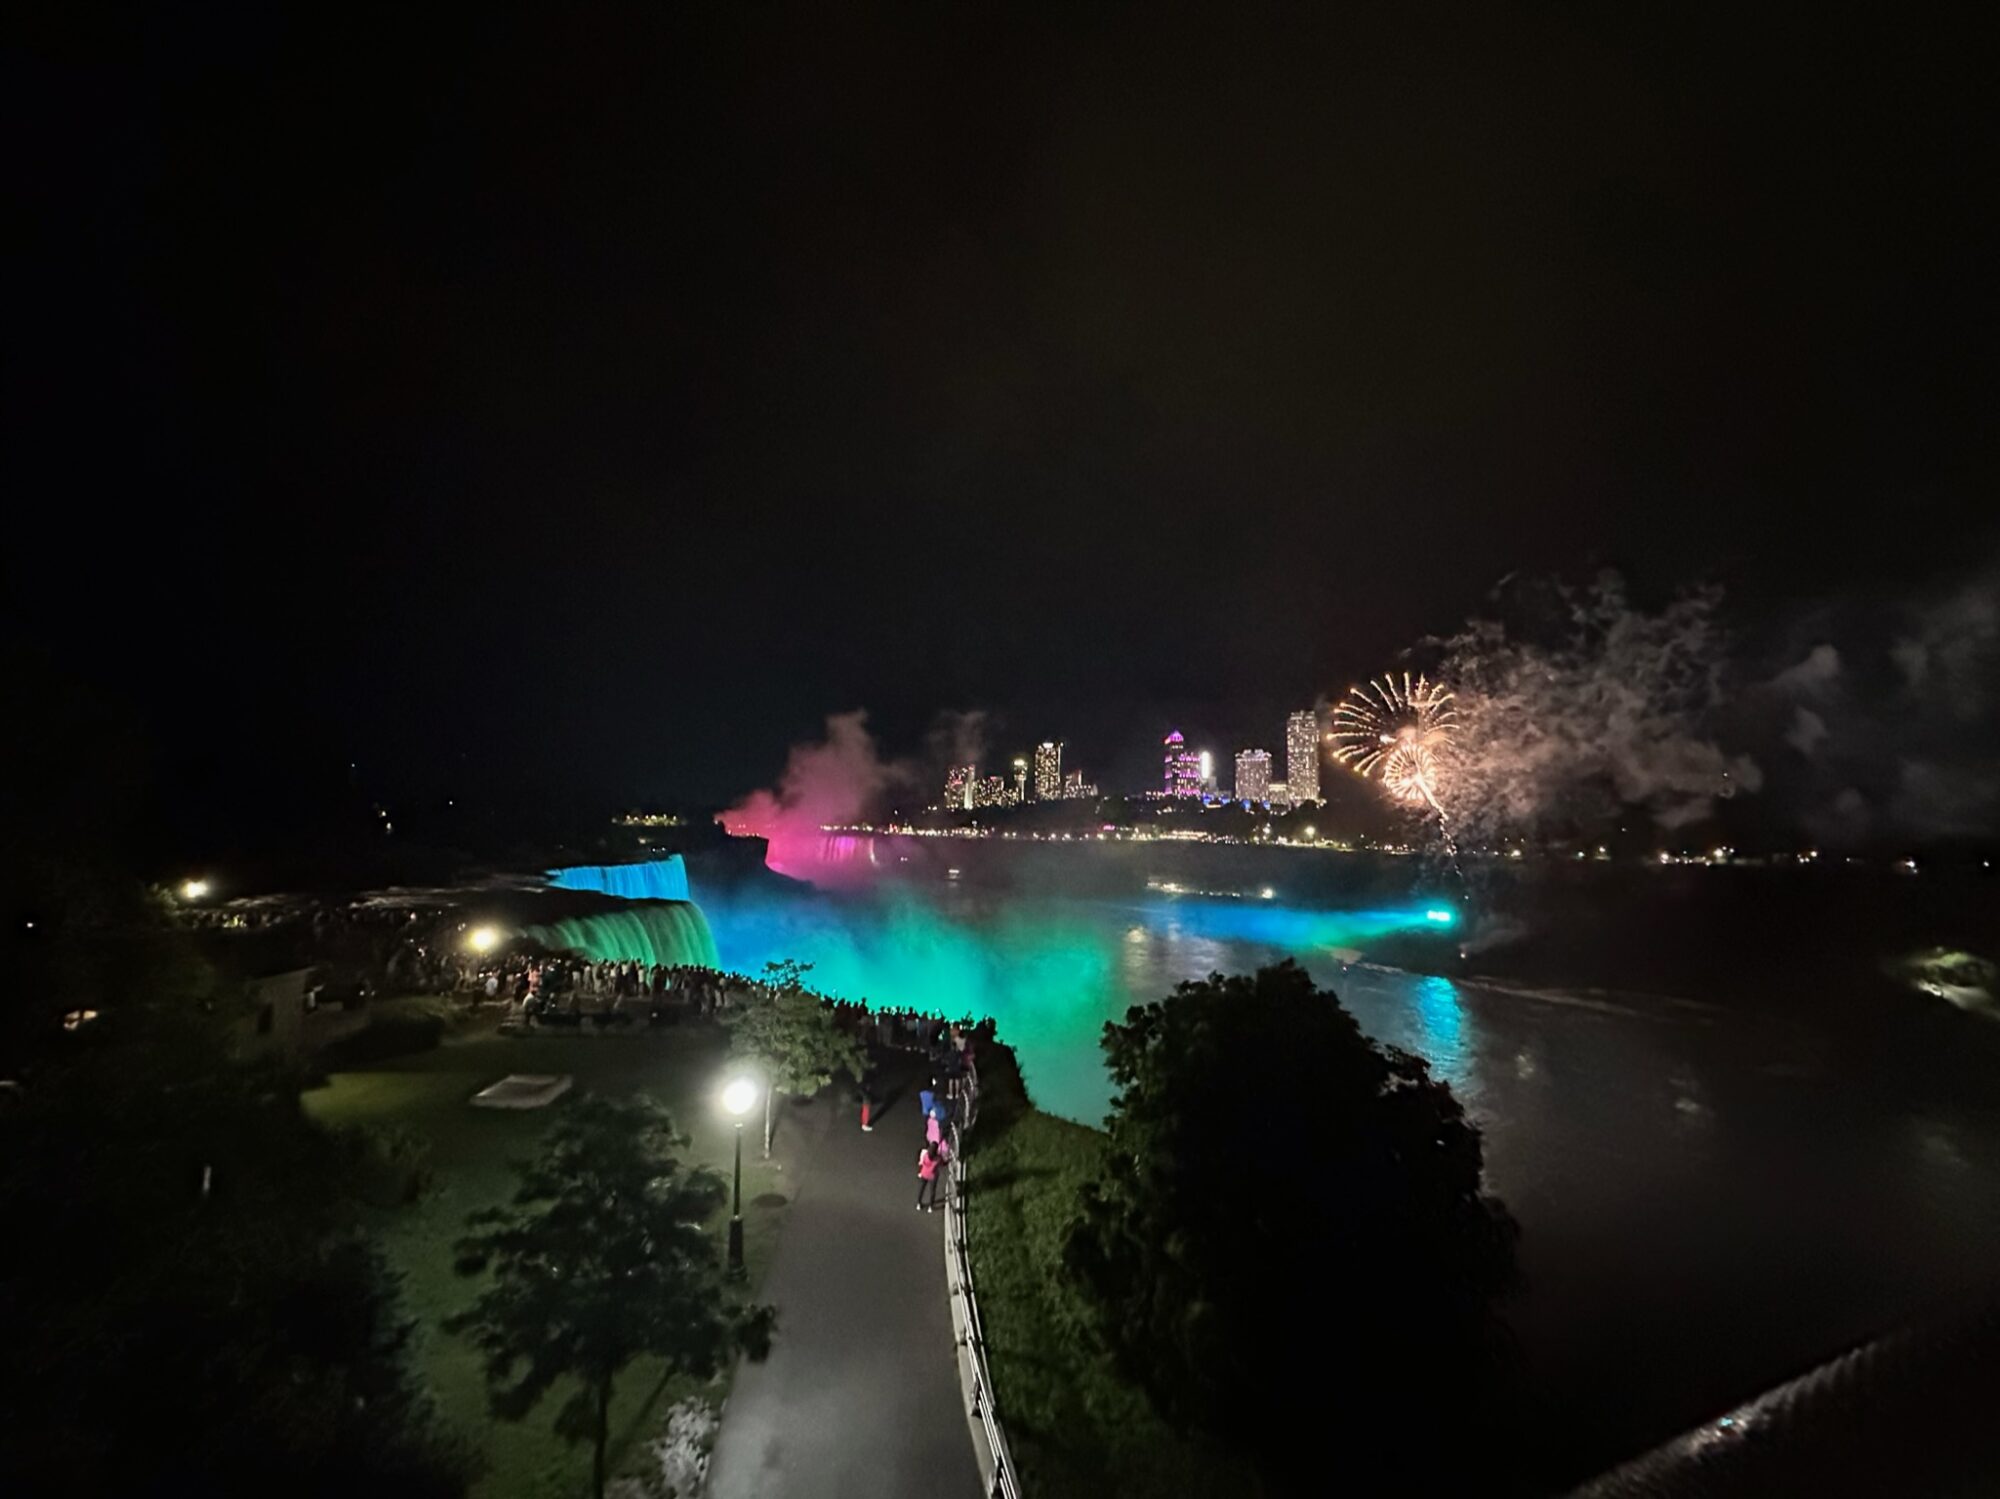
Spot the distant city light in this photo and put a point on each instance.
(194, 889)
(1048, 770)
(482, 939)
(1302, 756)
(1186, 773)
(1253, 775)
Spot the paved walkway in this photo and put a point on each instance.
(860, 1397)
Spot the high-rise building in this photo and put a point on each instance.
(1253, 775)
(1207, 763)
(1182, 767)
(1048, 770)
(1302, 757)
(990, 791)
(1020, 779)
(1278, 794)
(958, 784)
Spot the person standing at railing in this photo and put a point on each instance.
(944, 1155)
(927, 1175)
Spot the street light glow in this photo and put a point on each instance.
(194, 889)
(482, 939)
(740, 1096)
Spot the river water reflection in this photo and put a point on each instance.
(1712, 1198)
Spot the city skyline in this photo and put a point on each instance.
(1186, 773)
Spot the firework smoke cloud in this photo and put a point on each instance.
(1603, 705)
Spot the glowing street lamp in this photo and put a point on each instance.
(739, 1097)
(194, 889)
(482, 938)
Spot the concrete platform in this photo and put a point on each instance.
(522, 1090)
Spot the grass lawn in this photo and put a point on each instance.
(1077, 1429)
(427, 1093)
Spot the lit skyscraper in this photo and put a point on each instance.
(1020, 780)
(958, 784)
(1302, 757)
(1207, 762)
(1183, 767)
(1253, 775)
(1048, 770)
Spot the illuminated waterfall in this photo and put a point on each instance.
(660, 879)
(665, 932)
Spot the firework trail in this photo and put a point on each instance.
(1399, 734)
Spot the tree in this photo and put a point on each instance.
(601, 1258)
(1289, 1244)
(792, 1035)
(185, 1299)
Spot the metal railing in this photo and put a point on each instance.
(996, 1462)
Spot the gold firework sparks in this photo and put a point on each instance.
(1397, 733)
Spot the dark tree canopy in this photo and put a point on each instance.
(1290, 1246)
(185, 1302)
(601, 1259)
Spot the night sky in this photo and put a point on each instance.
(596, 403)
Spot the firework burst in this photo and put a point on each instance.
(1399, 734)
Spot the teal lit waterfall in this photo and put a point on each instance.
(665, 932)
(657, 879)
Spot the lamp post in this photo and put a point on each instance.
(739, 1098)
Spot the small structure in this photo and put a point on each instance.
(521, 1090)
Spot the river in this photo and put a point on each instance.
(1734, 1141)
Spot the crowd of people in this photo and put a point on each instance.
(947, 1099)
(566, 988)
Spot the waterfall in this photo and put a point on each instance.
(660, 879)
(664, 932)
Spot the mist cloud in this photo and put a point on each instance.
(1894, 714)
(1592, 705)
(835, 782)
